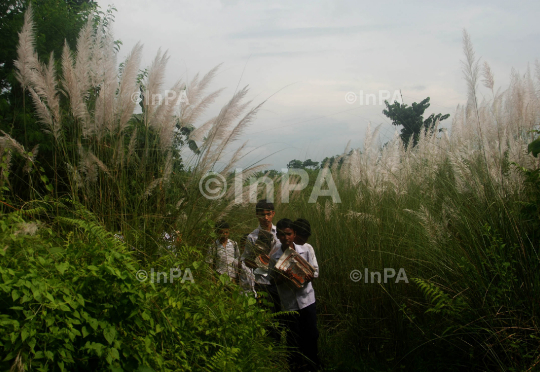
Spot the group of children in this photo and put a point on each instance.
(224, 255)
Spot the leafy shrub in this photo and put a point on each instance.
(70, 300)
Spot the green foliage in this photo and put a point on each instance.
(298, 164)
(534, 146)
(530, 207)
(441, 303)
(412, 119)
(310, 164)
(474, 300)
(272, 173)
(71, 301)
(501, 265)
(331, 161)
(126, 176)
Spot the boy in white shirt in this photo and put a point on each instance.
(264, 211)
(246, 278)
(303, 333)
(223, 255)
(302, 235)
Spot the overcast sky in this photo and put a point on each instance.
(308, 55)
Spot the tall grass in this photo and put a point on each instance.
(448, 211)
(126, 168)
(116, 171)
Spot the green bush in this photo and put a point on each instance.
(70, 300)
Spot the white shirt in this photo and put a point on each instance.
(246, 279)
(293, 298)
(225, 259)
(261, 275)
(312, 255)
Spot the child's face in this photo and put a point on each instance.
(265, 218)
(223, 235)
(286, 237)
(301, 240)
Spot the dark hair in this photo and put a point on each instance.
(221, 225)
(264, 205)
(283, 224)
(302, 227)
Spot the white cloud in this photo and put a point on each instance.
(311, 53)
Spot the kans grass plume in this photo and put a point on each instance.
(114, 143)
(497, 130)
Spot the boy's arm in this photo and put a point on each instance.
(250, 243)
(313, 262)
(272, 271)
(236, 251)
(274, 274)
(246, 279)
(236, 259)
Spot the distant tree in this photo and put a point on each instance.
(272, 173)
(329, 161)
(412, 119)
(297, 164)
(310, 164)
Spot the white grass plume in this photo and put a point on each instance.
(198, 134)
(238, 129)
(10, 142)
(154, 82)
(85, 48)
(72, 87)
(489, 78)
(495, 130)
(215, 143)
(108, 82)
(234, 159)
(128, 87)
(26, 56)
(44, 86)
(150, 188)
(131, 146)
(197, 105)
(103, 121)
(43, 113)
